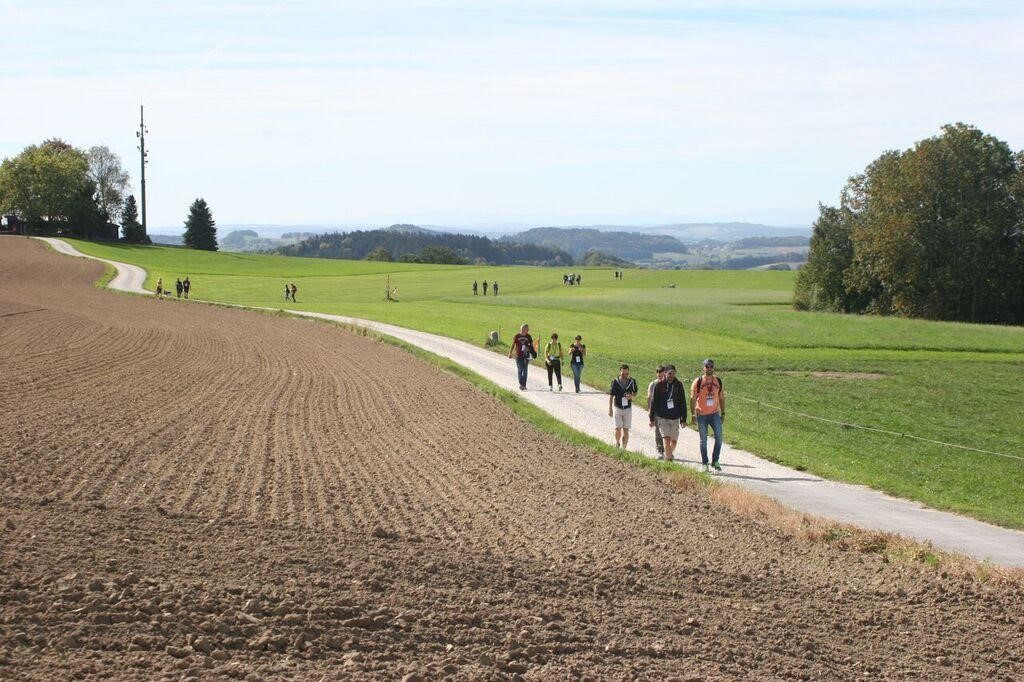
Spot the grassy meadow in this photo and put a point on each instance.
(949, 382)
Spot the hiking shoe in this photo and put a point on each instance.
(559, 387)
(577, 390)
(661, 458)
(716, 466)
(551, 388)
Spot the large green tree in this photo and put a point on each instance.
(200, 230)
(934, 231)
(48, 186)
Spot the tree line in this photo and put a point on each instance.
(54, 188)
(424, 247)
(935, 231)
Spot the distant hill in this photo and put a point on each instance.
(424, 246)
(167, 239)
(725, 232)
(631, 246)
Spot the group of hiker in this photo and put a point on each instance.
(493, 285)
(289, 291)
(181, 287)
(666, 396)
(572, 278)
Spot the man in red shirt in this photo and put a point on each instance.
(523, 351)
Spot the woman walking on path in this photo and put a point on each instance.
(523, 350)
(577, 351)
(159, 287)
(553, 357)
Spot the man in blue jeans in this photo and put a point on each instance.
(523, 350)
(707, 405)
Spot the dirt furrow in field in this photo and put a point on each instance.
(192, 491)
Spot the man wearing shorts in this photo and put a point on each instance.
(668, 410)
(620, 405)
(658, 442)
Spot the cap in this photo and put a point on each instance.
(710, 362)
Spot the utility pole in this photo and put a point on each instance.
(142, 150)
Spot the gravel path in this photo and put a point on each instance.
(587, 412)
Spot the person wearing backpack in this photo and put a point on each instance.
(553, 360)
(668, 409)
(707, 405)
(620, 405)
(523, 350)
(577, 351)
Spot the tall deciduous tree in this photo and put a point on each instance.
(48, 187)
(934, 231)
(110, 178)
(200, 230)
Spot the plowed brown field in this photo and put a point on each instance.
(191, 491)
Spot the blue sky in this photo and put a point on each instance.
(557, 112)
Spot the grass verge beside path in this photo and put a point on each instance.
(954, 383)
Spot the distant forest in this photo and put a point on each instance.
(577, 241)
(425, 247)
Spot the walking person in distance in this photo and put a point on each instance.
(668, 410)
(522, 350)
(577, 351)
(707, 404)
(186, 286)
(553, 359)
(179, 287)
(620, 405)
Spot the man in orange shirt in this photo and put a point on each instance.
(707, 405)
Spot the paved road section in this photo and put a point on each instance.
(588, 412)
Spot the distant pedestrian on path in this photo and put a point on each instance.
(186, 286)
(159, 287)
(620, 405)
(485, 287)
(179, 287)
(522, 350)
(494, 288)
(474, 287)
(658, 442)
(553, 359)
(294, 289)
(577, 351)
(287, 292)
(707, 405)
(668, 410)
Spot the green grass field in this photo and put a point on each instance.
(954, 383)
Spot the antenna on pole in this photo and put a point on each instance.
(141, 134)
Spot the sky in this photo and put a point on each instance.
(554, 112)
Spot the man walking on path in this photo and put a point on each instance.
(494, 288)
(522, 349)
(658, 442)
(178, 287)
(620, 405)
(485, 287)
(577, 351)
(186, 286)
(474, 287)
(552, 358)
(287, 292)
(668, 410)
(294, 289)
(707, 404)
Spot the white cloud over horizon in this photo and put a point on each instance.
(314, 112)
